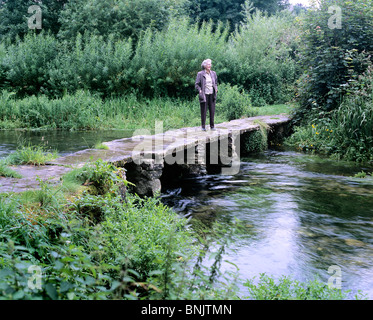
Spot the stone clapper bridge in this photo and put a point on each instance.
(153, 160)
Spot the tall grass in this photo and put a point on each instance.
(84, 110)
(31, 155)
(5, 171)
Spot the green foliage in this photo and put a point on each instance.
(363, 175)
(164, 61)
(229, 11)
(345, 133)
(288, 289)
(233, 102)
(122, 19)
(14, 16)
(81, 260)
(333, 58)
(31, 155)
(260, 60)
(256, 141)
(81, 110)
(28, 62)
(93, 64)
(5, 171)
(103, 176)
(167, 62)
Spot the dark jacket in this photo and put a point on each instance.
(201, 82)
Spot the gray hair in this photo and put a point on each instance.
(204, 63)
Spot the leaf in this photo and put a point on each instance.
(18, 295)
(51, 291)
(65, 286)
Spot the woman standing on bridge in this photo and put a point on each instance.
(207, 88)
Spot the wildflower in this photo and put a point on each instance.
(317, 132)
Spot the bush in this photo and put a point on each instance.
(81, 260)
(82, 110)
(28, 62)
(234, 103)
(93, 64)
(260, 60)
(167, 62)
(123, 19)
(288, 289)
(344, 133)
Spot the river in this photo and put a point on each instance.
(302, 215)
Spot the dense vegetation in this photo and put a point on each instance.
(43, 71)
(335, 111)
(125, 64)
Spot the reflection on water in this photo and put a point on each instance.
(302, 214)
(64, 142)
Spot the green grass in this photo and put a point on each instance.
(31, 155)
(84, 110)
(5, 171)
(273, 109)
(100, 145)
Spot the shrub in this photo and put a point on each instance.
(234, 103)
(123, 19)
(288, 289)
(259, 58)
(167, 62)
(28, 62)
(82, 110)
(344, 133)
(93, 64)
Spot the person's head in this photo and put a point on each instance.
(206, 65)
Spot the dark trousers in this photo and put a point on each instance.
(210, 104)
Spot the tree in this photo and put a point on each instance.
(123, 19)
(230, 11)
(14, 16)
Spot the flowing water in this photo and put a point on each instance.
(302, 214)
(64, 142)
